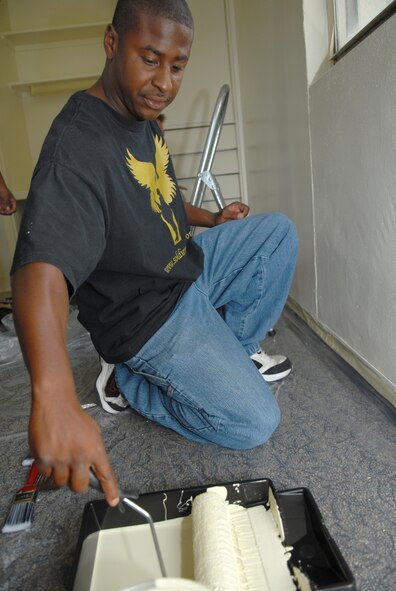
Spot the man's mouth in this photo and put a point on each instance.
(156, 103)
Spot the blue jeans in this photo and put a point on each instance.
(195, 375)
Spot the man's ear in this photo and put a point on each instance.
(110, 41)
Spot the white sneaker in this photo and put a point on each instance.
(110, 396)
(271, 367)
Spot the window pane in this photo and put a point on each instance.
(353, 15)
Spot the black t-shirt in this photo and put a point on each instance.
(104, 207)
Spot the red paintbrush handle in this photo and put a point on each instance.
(33, 473)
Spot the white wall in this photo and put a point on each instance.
(353, 126)
(318, 29)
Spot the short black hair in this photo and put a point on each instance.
(127, 13)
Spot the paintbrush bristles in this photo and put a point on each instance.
(20, 515)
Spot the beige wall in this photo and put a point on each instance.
(273, 87)
(320, 146)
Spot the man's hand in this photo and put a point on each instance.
(233, 211)
(7, 201)
(66, 442)
(197, 216)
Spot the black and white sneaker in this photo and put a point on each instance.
(271, 367)
(110, 396)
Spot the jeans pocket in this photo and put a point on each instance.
(179, 405)
(152, 378)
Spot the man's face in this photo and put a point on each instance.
(146, 66)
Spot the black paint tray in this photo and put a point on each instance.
(314, 552)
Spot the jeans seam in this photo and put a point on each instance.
(253, 307)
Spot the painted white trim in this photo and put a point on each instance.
(315, 250)
(229, 8)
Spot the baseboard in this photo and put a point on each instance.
(377, 381)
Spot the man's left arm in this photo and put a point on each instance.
(197, 216)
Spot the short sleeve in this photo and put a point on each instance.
(64, 224)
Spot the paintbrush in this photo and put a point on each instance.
(20, 515)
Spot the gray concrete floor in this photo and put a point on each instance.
(336, 438)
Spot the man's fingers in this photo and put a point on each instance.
(44, 468)
(8, 205)
(59, 472)
(107, 482)
(79, 477)
(240, 208)
(234, 211)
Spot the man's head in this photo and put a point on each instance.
(127, 13)
(147, 48)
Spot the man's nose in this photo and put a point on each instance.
(162, 79)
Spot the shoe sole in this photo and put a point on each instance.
(100, 382)
(277, 376)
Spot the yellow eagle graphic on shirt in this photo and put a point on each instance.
(161, 186)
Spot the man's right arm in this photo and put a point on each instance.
(65, 441)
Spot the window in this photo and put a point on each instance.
(355, 18)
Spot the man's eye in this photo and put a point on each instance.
(149, 61)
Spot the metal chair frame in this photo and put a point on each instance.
(205, 177)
